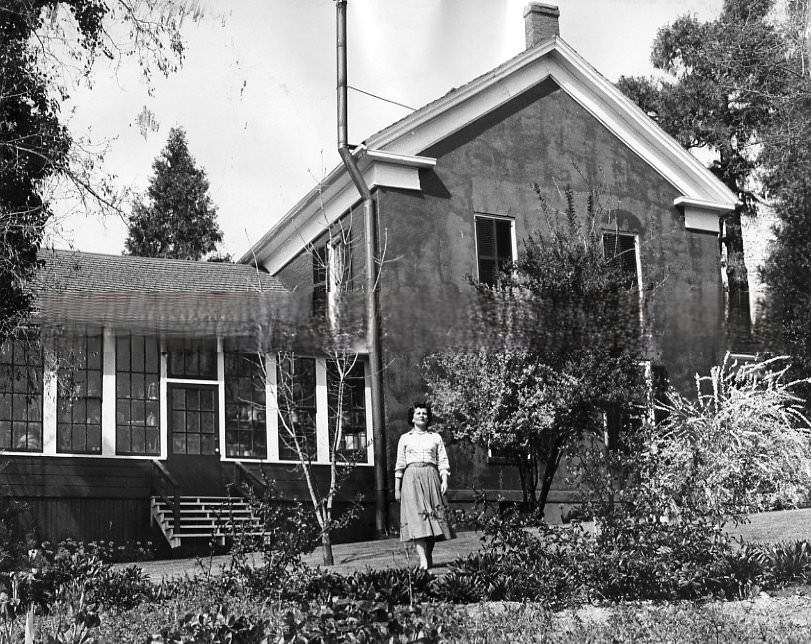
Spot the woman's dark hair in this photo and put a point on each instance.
(420, 405)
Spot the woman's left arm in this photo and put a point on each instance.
(442, 463)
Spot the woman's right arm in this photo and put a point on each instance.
(399, 468)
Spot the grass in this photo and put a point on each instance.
(774, 527)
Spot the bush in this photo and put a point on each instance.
(84, 566)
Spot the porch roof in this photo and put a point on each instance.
(160, 296)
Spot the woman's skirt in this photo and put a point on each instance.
(423, 513)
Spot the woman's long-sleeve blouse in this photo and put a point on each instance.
(421, 447)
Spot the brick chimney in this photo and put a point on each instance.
(540, 22)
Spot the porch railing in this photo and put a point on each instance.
(165, 486)
(243, 478)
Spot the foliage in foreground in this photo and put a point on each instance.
(46, 47)
(560, 347)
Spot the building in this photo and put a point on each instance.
(453, 191)
(162, 395)
(145, 382)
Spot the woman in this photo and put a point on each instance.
(420, 482)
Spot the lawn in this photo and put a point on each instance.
(773, 527)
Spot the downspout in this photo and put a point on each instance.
(372, 316)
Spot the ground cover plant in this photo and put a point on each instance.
(660, 504)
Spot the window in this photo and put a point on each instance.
(494, 247)
(193, 419)
(319, 306)
(137, 396)
(352, 388)
(622, 248)
(21, 395)
(245, 427)
(340, 266)
(193, 359)
(78, 411)
(295, 381)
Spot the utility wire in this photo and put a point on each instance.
(408, 107)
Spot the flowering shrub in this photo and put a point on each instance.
(741, 446)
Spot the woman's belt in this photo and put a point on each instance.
(421, 464)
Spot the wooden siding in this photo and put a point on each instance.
(90, 499)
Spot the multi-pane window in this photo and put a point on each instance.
(494, 247)
(320, 282)
(78, 411)
(340, 266)
(137, 404)
(193, 359)
(295, 380)
(245, 426)
(346, 385)
(621, 247)
(21, 395)
(193, 419)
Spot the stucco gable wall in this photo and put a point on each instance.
(541, 137)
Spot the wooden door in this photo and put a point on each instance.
(194, 450)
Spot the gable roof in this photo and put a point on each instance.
(155, 295)
(439, 119)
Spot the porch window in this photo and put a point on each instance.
(494, 247)
(245, 426)
(137, 380)
(193, 359)
(21, 395)
(78, 411)
(347, 383)
(295, 381)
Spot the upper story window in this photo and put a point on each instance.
(622, 247)
(21, 395)
(193, 359)
(78, 413)
(332, 274)
(494, 247)
(320, 281)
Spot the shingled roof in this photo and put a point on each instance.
(78, 272)
(163, 296)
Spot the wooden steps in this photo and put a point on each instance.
(204, 517)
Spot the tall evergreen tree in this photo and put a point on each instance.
(179, 220)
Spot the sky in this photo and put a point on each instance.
(256, 92)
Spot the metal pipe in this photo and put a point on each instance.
(372, 305)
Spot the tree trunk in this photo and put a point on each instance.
(549, 471)
(326, 545)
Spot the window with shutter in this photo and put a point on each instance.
(319, 308)
(494, 247)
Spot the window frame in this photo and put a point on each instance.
(25, 338)
(161, 427)
(258, 426)
(481, 216)
(71, 424)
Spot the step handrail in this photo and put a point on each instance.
(243, 475)
(164, 475)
